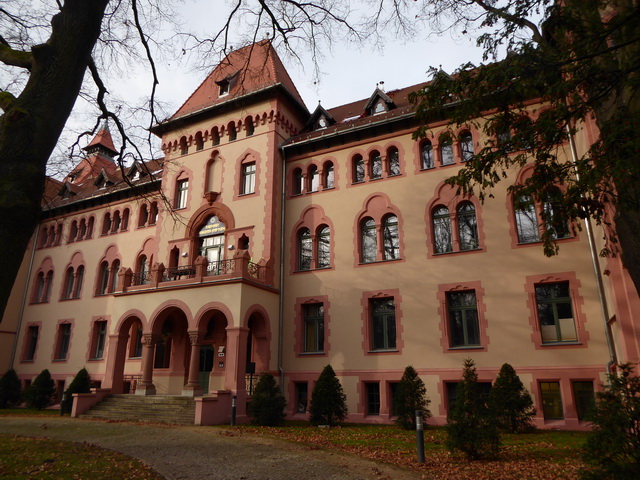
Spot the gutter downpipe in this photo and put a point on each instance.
(596, 265)
(25, 293)
(281, 299)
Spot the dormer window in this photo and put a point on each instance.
(380, 107)
(136, 176)
(224, 87)
(322, 123)
(72, 177)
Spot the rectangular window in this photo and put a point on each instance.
(555, 313)
(100, 337)
(373, 398)
(383, 324)
(64, 336)
(464, 330)
(248, 178)
(32, 342)
(314, 328)
(551, 400)
(182, 188)
(584, 397)
(302, 397)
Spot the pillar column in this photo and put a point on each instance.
(235, 367)
(193, 387)
(116, 355)
(146, 386)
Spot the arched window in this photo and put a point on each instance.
(143, 271)
(358, 169)
(442, 230)
(329, 175)
(249, 126)
(153, 213)
(103, 284)
(106, 224)
(446, 151)
(215, 136)
(375, 165)
(77, 289)
(232, 132)
(182, 189)
(467, 226)
(391, 245)
(116, 221)
(368, 240)
(199, 142)
(125, 219)
(73, 232)
(324, 247)
(82, 232)
(393, 161)
(48, 281)
(68, 284)
(184, 149)
(90, 227)
(426, 155)
(555, 221)
(115, 267)
(39, 288)
(466, 146)
(297, 181)
(313, 178)
(526, 221)
(143, 216)
(305, 249)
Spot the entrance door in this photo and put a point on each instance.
(206, 365)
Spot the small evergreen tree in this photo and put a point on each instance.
(267, 403)
(10, 391)
(470, 425)
(328, 401)
(81, 383)
(410, 395)
(41, 391)
(613, 449)
(510, 402)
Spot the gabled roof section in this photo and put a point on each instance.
(377, 96)
(246, 70)
(91, 167)
(319, 119)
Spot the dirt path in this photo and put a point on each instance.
(184, 453)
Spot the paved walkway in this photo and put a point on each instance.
(184, 453)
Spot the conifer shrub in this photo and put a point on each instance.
(10, 390)
(410, 395)
(328, 402)
(41, 392)
(81, 383)
(613, 449)
(511, 403)
(470, 426)
(267, 403)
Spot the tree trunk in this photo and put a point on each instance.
(31, 126)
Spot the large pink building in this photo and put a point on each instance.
(271, 239)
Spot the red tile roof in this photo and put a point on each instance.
(104, 139)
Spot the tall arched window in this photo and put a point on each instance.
(115, 267)
(314, 178)
(143, 271)
(106, 224)
(368, 240)
(526, 221)
(143, 216)
(442, 230)
(199, 142)
(297, 181)
(324, 247)
(82, 232)
(446, 151)
(48, 281)
(153, 213)
(125, 219)
(68, 284)
(90, 227)
(426, 155)
(393, 161)
(39, 288)
(555, 221)
(375, 165)
(466, 146)
(104, 278)
(116, 221)
(77, 289)
(232, 132)
(248, 125)
(358, 169)
(305, 249)
(73, 231)
(467, 226)
(328, 173)
(391, 245)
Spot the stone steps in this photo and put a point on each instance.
(145, 408)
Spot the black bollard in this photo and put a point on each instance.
(419, 437)
(233, 411)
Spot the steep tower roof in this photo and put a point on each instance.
(102, 142)
(247, 70)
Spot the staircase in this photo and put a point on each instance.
(145, 408)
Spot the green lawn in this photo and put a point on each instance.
(540, 455)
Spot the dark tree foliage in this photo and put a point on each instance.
(328, 402)
(267, 403)
(613, 449)
(10, 390)
(470, 426)
(40, 393)
(510, 402)
(581, 62)
(411, 395)
(81, 383)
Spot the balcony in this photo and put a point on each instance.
(237, 269)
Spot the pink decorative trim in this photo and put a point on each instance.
(366, 320)
(298, 326)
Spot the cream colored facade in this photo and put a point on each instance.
(362, 273)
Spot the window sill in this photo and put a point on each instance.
(384, 350)
(313, 269)
(389, 260)
(134, 358)
(559, 344)
(246, 194)
(458, 252)
(96, 359)
(467, 347)
(312, 353)
(59, 360)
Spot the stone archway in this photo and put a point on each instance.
(122, 371)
